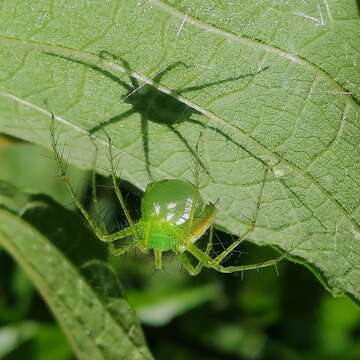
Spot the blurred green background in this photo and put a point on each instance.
(260, 315)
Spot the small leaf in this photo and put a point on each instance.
(13, 336)
(94, 332)
(157, 309)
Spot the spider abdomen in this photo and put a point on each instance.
(171, 201)
(166, 210)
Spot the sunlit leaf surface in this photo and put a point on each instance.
(272, 85)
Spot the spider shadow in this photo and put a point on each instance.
(155, 106)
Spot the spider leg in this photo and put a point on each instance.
(256, 266)
(251, 227)
(95, 226)
(208, 262)
(208, 248)
(118, 191)
(205, 260)
(195, 192)
(100, 223)
(62, 170)
(197, 227)
(195, 270)
(192, 270)
(119, 251)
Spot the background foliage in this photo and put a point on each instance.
(212, 316)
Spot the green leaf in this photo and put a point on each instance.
(272, 85)
(338, 321)
(12, 337)
(27, 167)
(157, 309)
(235, 339)
(99, 326)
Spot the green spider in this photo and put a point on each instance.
(174, 217)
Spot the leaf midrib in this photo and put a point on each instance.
(111, 66)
